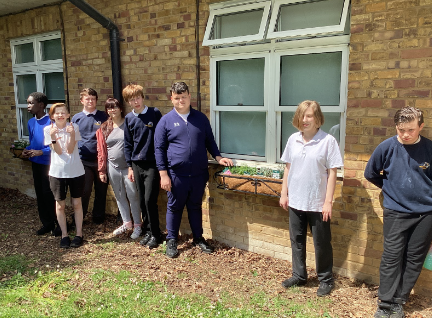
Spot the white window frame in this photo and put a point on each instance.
(331, 29)
(38, 67)
(227, 8)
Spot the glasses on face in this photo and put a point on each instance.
(112, 108)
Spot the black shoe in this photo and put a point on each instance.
(325, 289)
(293, 281)
(57, 231)
(153, 242)
(77, 241)
(65, 242)
(203, 245)
(382, 313)
(44, 230)
(396, 311)
(145, 239)
(171, 250)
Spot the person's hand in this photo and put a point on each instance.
(53, 132)
(165, 183)
(26, 153)
(103, 177)
(283, 202)
(224, 161)
(327, 211)
(34, 153)
(70, 129)
(131, 175)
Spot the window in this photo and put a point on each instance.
(37, 67)
(256, 86)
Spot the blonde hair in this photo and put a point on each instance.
(55, 106)
(301, 109)
(132, 91)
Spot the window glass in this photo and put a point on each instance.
(310, 76)
(243, 133)
(331, 126)
(26, 84)
(311, 14)
(24, 53)
(25, 117)
(54, 87)
(240, 82)
(51, 50)
(236, 24)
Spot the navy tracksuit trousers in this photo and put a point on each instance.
(185, 191)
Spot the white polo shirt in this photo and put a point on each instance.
(64, 165)
(307, 178)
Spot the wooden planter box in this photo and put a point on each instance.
(249, 184)
(17, 153)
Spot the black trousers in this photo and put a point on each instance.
(44, 196)
(147, 181)
(407, 237)
(298, 221)
(92, 177)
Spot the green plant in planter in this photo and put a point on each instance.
(20, 144)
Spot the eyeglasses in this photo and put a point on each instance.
(112, 108)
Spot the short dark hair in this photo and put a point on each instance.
(88, 91)
(408, 114)
(40, 98)
(179, 88)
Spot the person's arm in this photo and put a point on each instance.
(212, 148)
(53, 135)
(328, 203)
(161, 149)
(101, 155)
(71, 144)
(165, 181)
(283, 201)
(374, 167)
(128, 143)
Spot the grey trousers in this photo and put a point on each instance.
(126, 194)
(298, 221)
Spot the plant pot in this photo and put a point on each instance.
(251, 184)
(17, 153)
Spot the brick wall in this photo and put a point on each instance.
(390, 66)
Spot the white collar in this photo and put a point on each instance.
(143, 111)
(42, 117)
(87, 113)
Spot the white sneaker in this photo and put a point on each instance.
(136, 232)
(121, 230)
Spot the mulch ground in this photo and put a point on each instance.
(228, 271)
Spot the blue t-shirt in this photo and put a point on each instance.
(36, 136)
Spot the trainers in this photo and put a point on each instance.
(293, 281)
(171, 250)
(77, 241)
(65, 242)
(145, 239)
(325, 289)
(136, 232)
(203, 245)
(382, 313)
(121, 230)
(44, 230)
(153, 242)
(396, 311)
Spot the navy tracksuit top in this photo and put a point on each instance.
(181, 147)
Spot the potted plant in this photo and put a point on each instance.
(258, 180)
(18, 147)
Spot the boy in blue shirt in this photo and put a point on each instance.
(140, 125)
(401, 167)
(40, 155)
(89, 121)
(182, 139)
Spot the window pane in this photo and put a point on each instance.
(311, 76)
(51, 50)
(331, 126)
(54, 87)
(24, 53)
(243, 133)
(25, 117)
(236, 24)
(26, 84)
(310, 14)
(240, 82)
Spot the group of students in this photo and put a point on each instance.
(143, 151)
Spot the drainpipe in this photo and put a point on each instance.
(114, 44)
(197, 55)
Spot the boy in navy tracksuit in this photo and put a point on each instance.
(401, 167)
(89, 121)
(40, 155)
(182, 139)
(139, 130)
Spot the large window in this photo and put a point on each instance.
(37, 67)
(256, 84)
